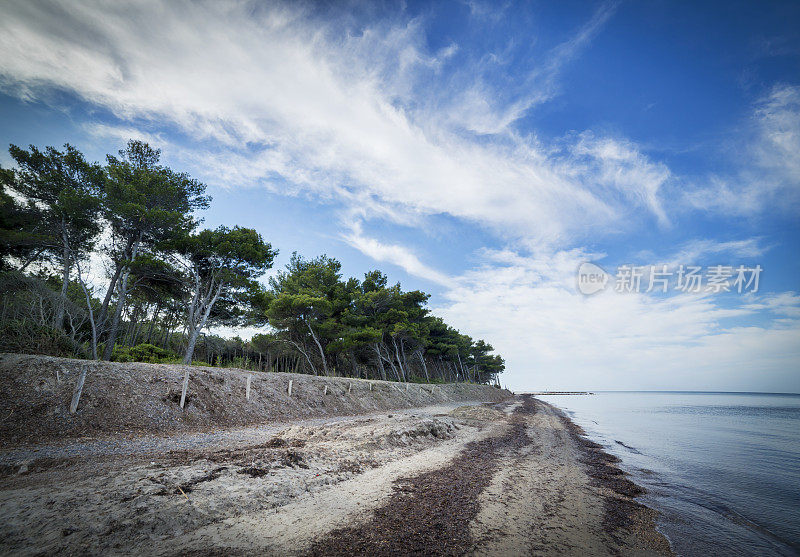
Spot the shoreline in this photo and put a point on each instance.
(624, 510)
(514, 477)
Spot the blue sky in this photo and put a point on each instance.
(478, 151)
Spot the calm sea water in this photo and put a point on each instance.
(722, 468)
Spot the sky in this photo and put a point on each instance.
(479, 151)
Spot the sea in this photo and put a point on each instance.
(723, 469)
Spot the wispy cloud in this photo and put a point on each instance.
(121, 134)
(766, 174)
(483, 105)
(396, 254)
(326, 110)
(696, 250)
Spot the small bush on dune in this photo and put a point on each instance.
(146, 353)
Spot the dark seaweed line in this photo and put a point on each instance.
(429, 514)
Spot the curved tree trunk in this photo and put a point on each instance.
(319, 346)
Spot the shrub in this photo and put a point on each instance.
(147, 353)
(27, 337)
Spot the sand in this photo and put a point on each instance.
(503, 478)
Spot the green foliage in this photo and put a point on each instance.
(148, 202)
(147, 353)
(66, 189)
(22, 233)
(27, 306)
(169, 282)
(336, 323)
(30, 337)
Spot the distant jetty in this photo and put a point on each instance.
(562, 393)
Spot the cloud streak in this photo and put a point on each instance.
(330, 111)
(766, 175)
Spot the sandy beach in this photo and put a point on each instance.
(500, 478)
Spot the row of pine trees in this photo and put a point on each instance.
(165, 281)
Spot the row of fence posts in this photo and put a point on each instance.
(249, 382)
(76, 394)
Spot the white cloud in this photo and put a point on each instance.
(620, 165)
(700, 251)
(766, 172)
(474, 104)
(121, 134)
(554, 338)
(395, 254)
(335, 112)
(778, 120)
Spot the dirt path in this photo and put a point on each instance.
(150, 445)
(200, 496)
(503, 479)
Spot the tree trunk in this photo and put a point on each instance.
(399, 361)
(319, 346)
(187, 358)
(424, 366)
(58, 319)
(403, 352)
(91, 311)
(380, 363)
(464, 373)
(153, 323)
(196, 328)
(101, 319)
(112, 334)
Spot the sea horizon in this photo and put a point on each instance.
(590, 391)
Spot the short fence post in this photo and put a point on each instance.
(325, 390)
(290, 388)
(349, 387)
(76, 394)
(185, 387)
(249, 379)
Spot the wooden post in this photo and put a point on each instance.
(185, 386)
(370, 386)
(290, 387)
(349, 387)
(325, 391)
(76, 394)
(406, 387)
(249, 379)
